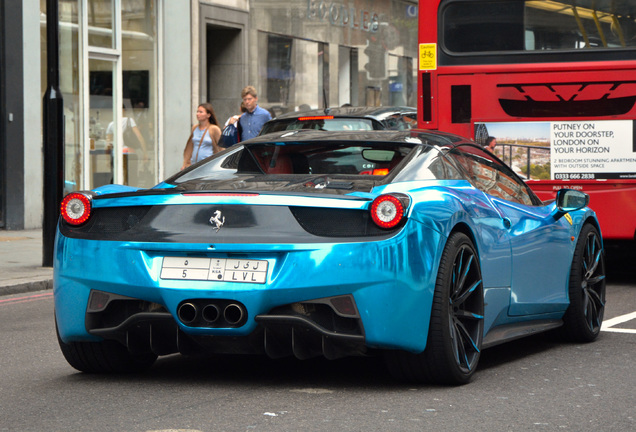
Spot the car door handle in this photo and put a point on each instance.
(506, 223)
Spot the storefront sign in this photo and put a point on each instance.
(342, 15)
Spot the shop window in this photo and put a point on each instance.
(139, 90)
(295, 74)
(280, 72)
(100, 23)
(89, 158)
(401, 81)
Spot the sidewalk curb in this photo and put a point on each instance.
(26, 287)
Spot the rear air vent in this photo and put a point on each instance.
(327, 222)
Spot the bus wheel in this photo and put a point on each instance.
(584, 316)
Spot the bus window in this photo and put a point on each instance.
(536, 25)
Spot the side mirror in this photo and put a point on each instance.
(568, 200)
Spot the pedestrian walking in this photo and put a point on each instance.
(204, 138)
(252, 121)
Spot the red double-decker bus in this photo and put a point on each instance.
(554, 81)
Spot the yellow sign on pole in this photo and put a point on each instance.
(428, 56)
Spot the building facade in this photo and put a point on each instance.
(132, 73)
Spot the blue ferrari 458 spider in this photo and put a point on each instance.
(418, 246)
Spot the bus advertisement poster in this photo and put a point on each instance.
(567, 150)
(585, 150)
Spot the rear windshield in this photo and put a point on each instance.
(334, 124)
(355, 160)
(344, 159)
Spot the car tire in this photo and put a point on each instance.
(103, 357)
(456, 327)
(584, 316)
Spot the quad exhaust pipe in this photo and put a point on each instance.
(187, 313)
(233, 313)
(211, 313)
(202, 313)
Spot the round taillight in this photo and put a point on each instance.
(387, 211)
(76, 208)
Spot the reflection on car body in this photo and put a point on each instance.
(419, 246)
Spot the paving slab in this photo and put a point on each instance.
(21, 267)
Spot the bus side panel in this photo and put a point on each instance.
(538, 96)
(613, 201)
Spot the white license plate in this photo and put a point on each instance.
(214, 269)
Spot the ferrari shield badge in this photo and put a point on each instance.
(217, 220)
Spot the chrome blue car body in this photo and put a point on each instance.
(330, 287)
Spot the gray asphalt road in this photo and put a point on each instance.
(536, 384)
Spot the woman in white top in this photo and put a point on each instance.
(204, 139)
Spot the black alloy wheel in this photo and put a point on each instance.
(465, 312)
(107, 356)
(457, 321)
(584, 317)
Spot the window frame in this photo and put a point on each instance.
(480, 156)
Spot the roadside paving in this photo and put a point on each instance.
(21, 267)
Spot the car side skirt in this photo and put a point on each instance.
(510, 332)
